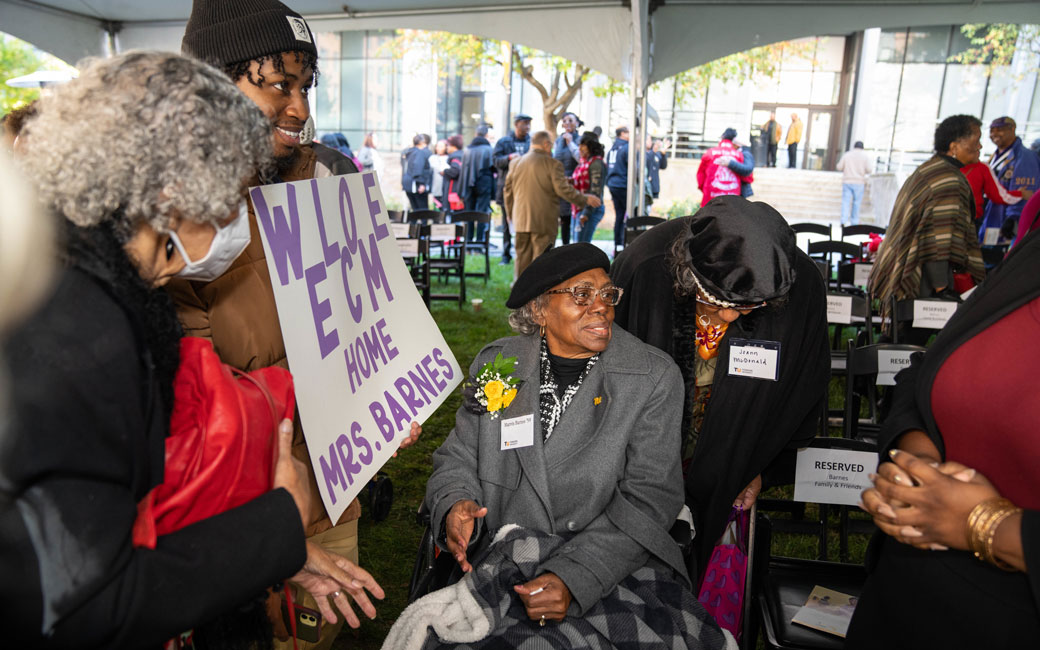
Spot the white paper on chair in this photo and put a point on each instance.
(861, 274)
(408, 247)
(889, 362)
(839, 309)
(400, 230)
(442, 231)
(832, 475)
(827, 610)
(933, 314)
(991, 237)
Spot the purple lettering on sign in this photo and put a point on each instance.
(364, 449)
(422, 383)
(321, 311)
(350, 468)
(374, 273)
(399, 415)
(381, 231)
(434, 374)
(391, 352)
(379, 416)
(351, 231)
(331, 251)
(333, 474)
(357, 310)
(352, 368)
(361, 354)
(408, 394)
(375, 350)
(438, 356)
(283, 237)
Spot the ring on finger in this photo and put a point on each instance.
(542, 621)
(335, 594)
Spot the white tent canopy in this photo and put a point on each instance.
(639, 41)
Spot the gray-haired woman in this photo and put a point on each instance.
(146, 157)
(571, 434)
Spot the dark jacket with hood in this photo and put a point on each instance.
(452, 173)
(742, 252)
(478, 169)
(92, 383)
(505, 146)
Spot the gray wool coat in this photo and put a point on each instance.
(608, 481)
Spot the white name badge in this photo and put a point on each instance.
(839, 309)
(991, 236)
(400, 230)
(442, 231)
(408, 247)
(889, 362)
(861, 274)
(933, 313)
(517, 432)
(756, 359)
(832, 475)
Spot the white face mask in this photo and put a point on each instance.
(228, 244)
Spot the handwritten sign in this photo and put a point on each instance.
(933, 314)
(366, 356)
(839, 309)
(889, 362)
(861, 274)
(757, 359)
(832, 475)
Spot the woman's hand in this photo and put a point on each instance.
(327, 574)
(290, 473)
(458, 527)
(749, 495)
(937, 504)
(551, 600)
(413, 437)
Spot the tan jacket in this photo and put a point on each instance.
(237, 313)
(534, 187)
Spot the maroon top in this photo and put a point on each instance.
(998, 435)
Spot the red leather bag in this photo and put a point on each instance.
(223, 441)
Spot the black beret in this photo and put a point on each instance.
(553, 267)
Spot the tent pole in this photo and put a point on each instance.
(640, 65)
(642, 156)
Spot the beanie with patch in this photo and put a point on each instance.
(222, 32)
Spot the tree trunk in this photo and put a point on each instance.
(554, 105)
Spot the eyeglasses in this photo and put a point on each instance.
(716, 307)
(583, 294)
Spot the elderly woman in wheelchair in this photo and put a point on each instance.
(557, 488)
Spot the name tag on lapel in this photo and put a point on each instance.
(517, 432)
(757, 359)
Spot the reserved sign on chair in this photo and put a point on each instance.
(832, 475)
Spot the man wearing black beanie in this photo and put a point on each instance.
(269, 52)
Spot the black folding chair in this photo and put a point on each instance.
(783, 584)
(833, 253)
(636, 226)
(862, 370)
(902, 314)
(480, 244)
(860, 230)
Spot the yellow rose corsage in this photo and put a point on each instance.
(495, 385)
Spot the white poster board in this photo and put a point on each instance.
(839, 309)
(366, 355)
(400, 230)
(889, 362)
(832, 475)
(933, 314)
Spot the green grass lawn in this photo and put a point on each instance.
(388, 548)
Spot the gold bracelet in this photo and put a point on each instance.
(983, 522)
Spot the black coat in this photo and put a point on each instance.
(91, 375)
(751, 425)
(505, 146)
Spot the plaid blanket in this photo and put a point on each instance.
(649, 609)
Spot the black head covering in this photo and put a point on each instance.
(741, 251)
(553, 267)
(222, 32)
(729, 134)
